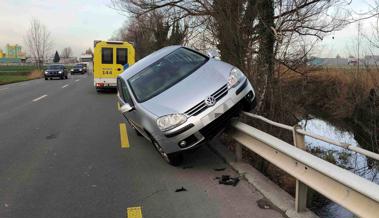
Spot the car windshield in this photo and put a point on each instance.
(79, 65)
(165, 73)
(54, 67)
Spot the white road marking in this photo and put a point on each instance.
(64, 86)
(77, 80)
(39, 98)
(4, 88)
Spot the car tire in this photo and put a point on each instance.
(66, 77)
(46, 78)
(174, 159)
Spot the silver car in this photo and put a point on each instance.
(178, 98)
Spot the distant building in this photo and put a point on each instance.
(14, 51)
(13, 54)
(316, 61)
(371, 59)
(86, 58)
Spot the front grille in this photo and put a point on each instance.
(213, 128)
(200, 107)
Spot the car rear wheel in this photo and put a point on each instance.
(174, 159)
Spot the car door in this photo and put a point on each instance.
(131, 116)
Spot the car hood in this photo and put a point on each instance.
(190, 91)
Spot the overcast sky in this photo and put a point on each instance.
(77, 23)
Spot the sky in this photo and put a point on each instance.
(72, 23)
(77, 23)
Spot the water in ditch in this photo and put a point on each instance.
(356, 163)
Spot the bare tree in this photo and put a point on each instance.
(253, 33)
(66, 52)
(152, 31)
(89, 51)
(39, 42)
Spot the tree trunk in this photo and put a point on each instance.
(265, 69)
(232, 46)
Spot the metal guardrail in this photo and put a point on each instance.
(355, 193)
(319, 137)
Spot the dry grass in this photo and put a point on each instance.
(333, 92)
(35, 74)
(13, 77)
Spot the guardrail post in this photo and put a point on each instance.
(301, 188)
(238, 152)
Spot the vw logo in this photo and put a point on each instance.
(210, 101)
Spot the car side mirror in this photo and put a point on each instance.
(126, 108)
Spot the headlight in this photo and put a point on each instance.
(80, 69)
(72, 70)
(170, 121)
(235, 77)
(60, 72)
(46, 72)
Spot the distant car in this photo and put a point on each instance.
(178, 98)
(56, 71)
(79, 68)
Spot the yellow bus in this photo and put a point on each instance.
(110, 59)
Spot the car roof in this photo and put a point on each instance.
(148, 60)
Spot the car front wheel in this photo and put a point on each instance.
(174, 159)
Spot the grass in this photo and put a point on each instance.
(13, 74)
(16, 68)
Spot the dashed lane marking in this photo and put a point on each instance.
(77, 80)
(134, 212)
(1, 89)
(124, 136)
(39, 98)
(64, 86)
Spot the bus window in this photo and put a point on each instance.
(122, 56)
(107, 55)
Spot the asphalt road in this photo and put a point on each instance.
(61, 157)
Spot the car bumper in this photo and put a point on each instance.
(208, 123)
(103, 83)
(54, 75)
(77, 71)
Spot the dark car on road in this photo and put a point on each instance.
(56, 71)
(79, 68)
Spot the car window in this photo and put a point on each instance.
(124, 92)
(122, 56)
(165, 73)
(107, 55)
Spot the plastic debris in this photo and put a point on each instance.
(182, 189)
(228, 180)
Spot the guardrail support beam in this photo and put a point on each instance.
(301, 197)
(238, 152)
(301, 188)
